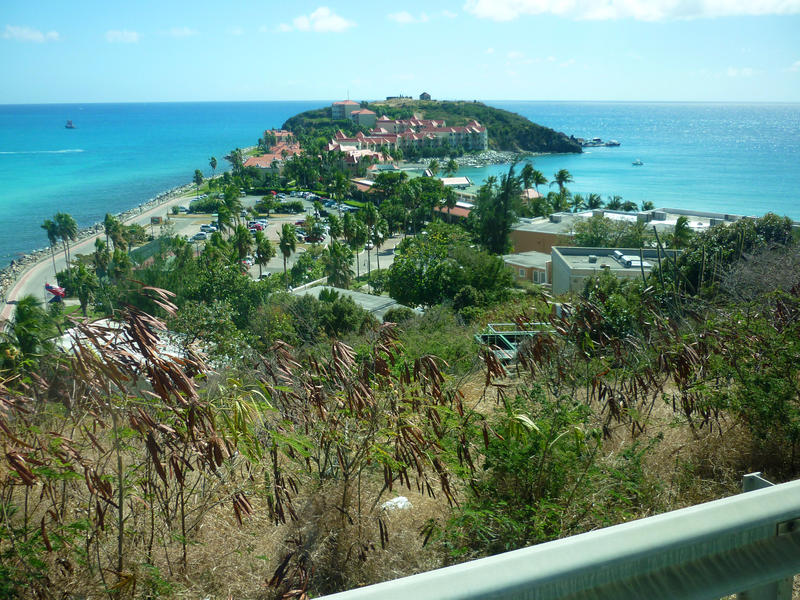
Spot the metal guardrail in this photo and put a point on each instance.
(747, 543)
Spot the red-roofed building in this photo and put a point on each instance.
(363, 117)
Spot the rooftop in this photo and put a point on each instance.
(528, 259)
(614, 259)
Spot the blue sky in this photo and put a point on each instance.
(672, 50)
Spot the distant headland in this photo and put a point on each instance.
(470, 125)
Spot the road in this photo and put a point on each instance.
(33, 280)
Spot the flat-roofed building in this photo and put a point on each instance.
(571, 265)
(530, 266)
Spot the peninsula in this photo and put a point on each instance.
(506, 131)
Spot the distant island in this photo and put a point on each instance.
(506, 131)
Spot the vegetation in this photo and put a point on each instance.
(507, 131)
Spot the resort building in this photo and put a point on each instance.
(285, 148)
(424, 96)
(363, 117)
(530, 266)
(459, 212)
(459, 183)
(342, 109)
(571, 266)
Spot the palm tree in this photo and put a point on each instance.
(681, 233)
(647, 205)
(241, 242)
(232, 202)
(451, 168)
(538, 179)
(31, 327)
(67, 230)
(379, 233)
(370, 216)
(334, 227)
(338, 264)
(84, 283)
(101, 257)
(577, 203)
(527, 175)
(594, 201)
(287, 242)
(433, 167)
(450, 199)
(264, 251)
(213, 164)
(629, 206)
(51, 228)
(561, 179)
(614, 203)
(198, 179)
(224, 218)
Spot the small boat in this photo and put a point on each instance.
(612, 143)
(637, 163)
(69, 125)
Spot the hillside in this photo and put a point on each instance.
(507, 130)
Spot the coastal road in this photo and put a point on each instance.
(33, 280)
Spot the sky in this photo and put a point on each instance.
(52, 51)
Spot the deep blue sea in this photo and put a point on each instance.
(737, 158)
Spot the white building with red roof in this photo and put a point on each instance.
(342, 109)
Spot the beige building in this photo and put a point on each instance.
(363, 117)
(571, 266)
(341, 110)
(530, 266)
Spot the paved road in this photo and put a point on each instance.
(33, 281)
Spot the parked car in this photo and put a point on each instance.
(314, 239)
(200, 236)
(206, 228)
(183, 209)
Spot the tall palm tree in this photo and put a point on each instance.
(67, 230)
(334, 227)
(561, 179)
(232, 202)
(84, 283)
(370, 216)
(101, 257)
(264, 251)
(527, 175)
(379, 233)
(538, 179)
(198, 179)
(287, 242)
(450, 199)
(51, 228)
(338, 264)
(241, 242)
(213, 164)
(433, 167)
(451, 168)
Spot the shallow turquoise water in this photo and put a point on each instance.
(726, 157)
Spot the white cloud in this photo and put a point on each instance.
(322, 20)
(237, 31)
(122, 36)
(795, 66)
(515, 55)
(405, 18)
(739, 72)
(490, 51)
(182, 32)
(28, 34)
(640, 10)
(567, 63)
(449, 14)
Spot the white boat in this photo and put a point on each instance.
(637, 163)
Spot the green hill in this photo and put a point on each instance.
(507, 130)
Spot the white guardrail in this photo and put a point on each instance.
(747, 544)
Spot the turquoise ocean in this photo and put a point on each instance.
(735, 158)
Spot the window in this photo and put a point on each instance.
(522, 273)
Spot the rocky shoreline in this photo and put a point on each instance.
(10, 274)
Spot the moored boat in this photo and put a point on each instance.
(637, 163)
(69, 125)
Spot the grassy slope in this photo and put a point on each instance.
(507, 130)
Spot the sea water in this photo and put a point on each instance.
(729, 158)
(735, 158)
